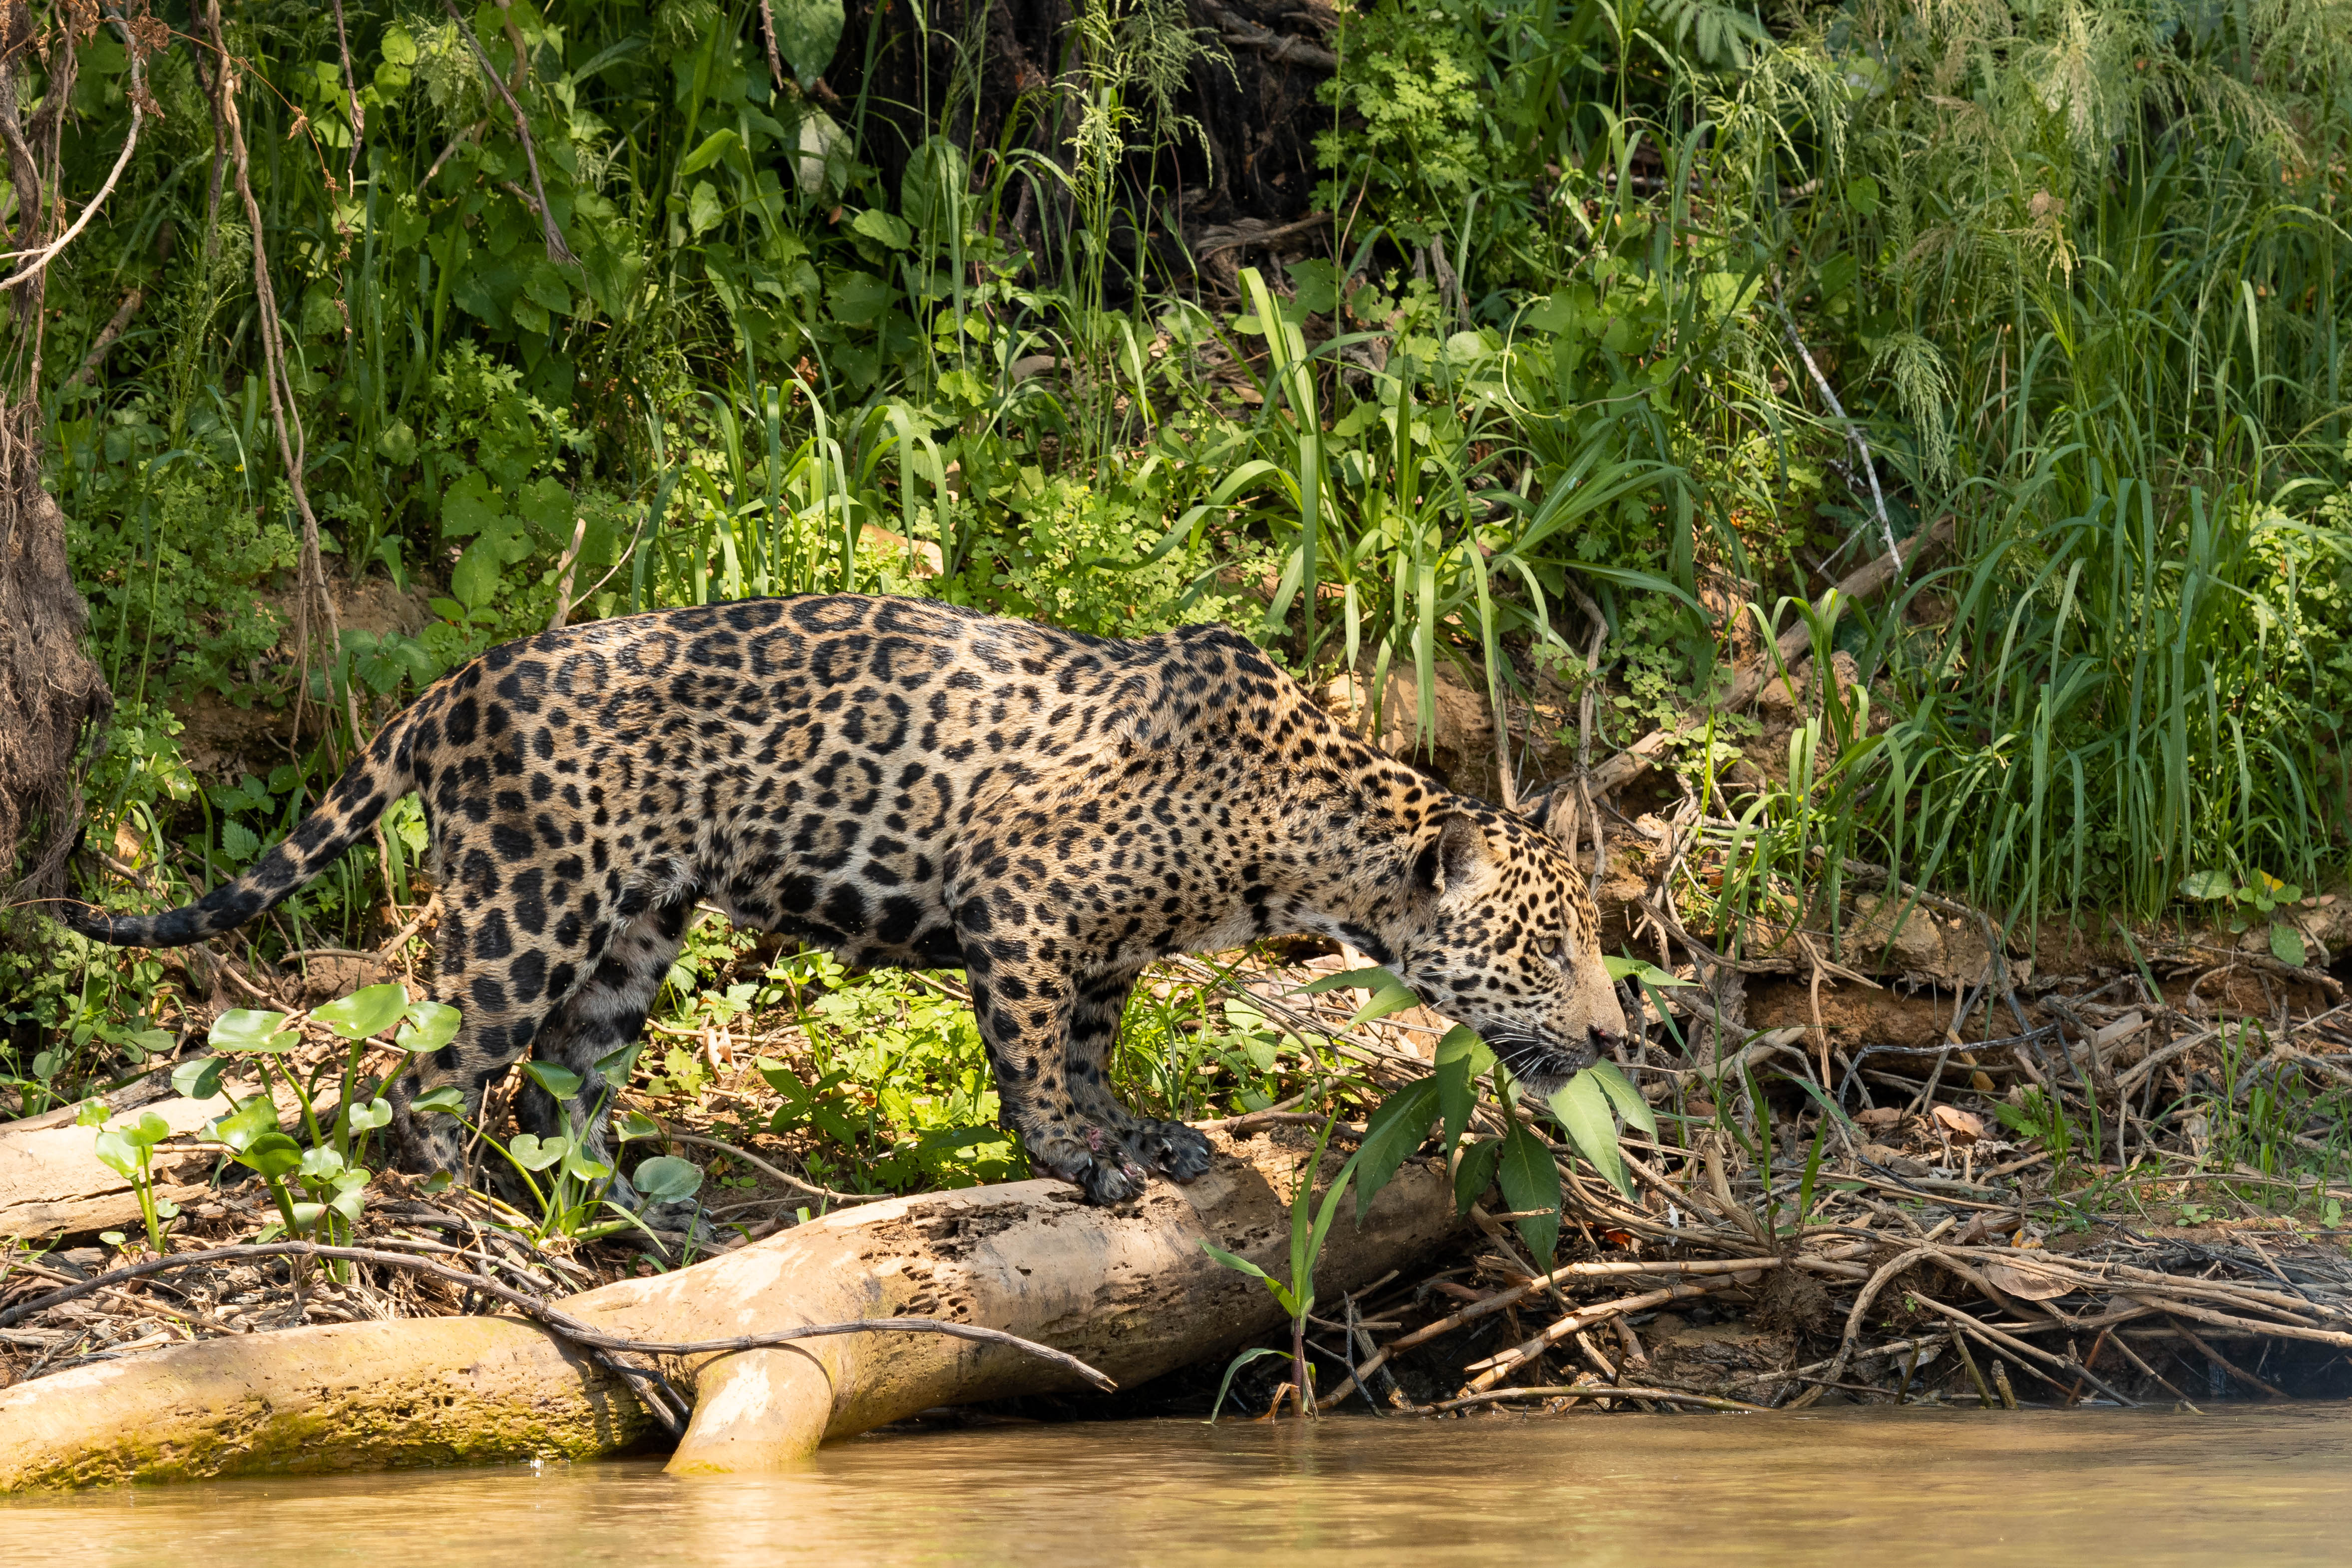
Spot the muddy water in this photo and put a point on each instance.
(2139, 1488)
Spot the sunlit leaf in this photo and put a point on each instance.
(667, 1179)
(1396, 1128)
(1581, 1104)
(250, 1029)
(447, 1100)
(1631, 1106)
(561, 1082)
(1531, 1186)
(365, 1012)
(535, 1153)
(198, 1077)
(427, 1026)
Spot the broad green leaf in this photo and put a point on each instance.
(447, 1100)
(2287, 946)
(535, 1153)
(427, 1026)
(807, 32)
(1395, 999)
(375, 1113)
(366, 1012)
(1462, 1056)
(635, 1124)
(307, 1217)
(1531, 1183)
(614, 1067)
(250, 1029)
(149, 1131)
(2206, 885)
(198, 1077)
(883, 228)
(561, 1082)
(1647, 974)
(350, 1201)
(1395, 1130)
(1373, 979)
(1628, 1100)
(704, 210)
(321, 1165)
(715, 146)
(667, 1179)
(1475, 1173)
(1581, 1104)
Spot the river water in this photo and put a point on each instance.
(2239, 1485)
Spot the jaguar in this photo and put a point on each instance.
(910, 783)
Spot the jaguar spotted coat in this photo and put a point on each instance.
(910, 783)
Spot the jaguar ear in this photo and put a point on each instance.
(1555, 812)
(1456, 859)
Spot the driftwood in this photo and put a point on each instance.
(1128, 1292)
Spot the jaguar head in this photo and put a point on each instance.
(1501, 933)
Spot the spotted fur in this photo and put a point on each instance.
(910, 784)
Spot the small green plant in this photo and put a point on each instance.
(568, 1187)
(2259, 898)
(130, 1153)
(1310, 1222)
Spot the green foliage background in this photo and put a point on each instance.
(2073, 268)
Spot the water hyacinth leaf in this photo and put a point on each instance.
(365, 1012)
(307, 1217)
(1531, 1186)
(348, 1200)
(1581, 1104)
(321, 1165)
(1462, 1056)
(116, 1153)
(614, 1067)
(561, 1082)
(635, 1124)
(367, 1118)
(1395, 1130)
(273, 1154)
(251, 1029)
(91, 1113)
(427, 1026)
(447, 1100)
(1635, 1110)
(253, 1118)
(535, 1153)
(148, 1131)
(580, 1168)
(667, 1179)
(198, 1077)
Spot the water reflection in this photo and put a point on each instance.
(2082, 1488)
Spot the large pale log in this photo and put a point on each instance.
(1129, 1291)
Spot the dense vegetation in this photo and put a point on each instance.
(1625, 324)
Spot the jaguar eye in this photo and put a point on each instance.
(1562, 956)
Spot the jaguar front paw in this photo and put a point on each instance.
(1177, 1151)
(1093, 1160)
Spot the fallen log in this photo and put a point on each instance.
(1127, 1290)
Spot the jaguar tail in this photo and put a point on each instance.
(376, 778)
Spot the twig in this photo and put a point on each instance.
(106, 337)
(1595, 1391)
(798, 1184)
(1853, 430)
(557, 251)
(2224, 1362)
(41, 258)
